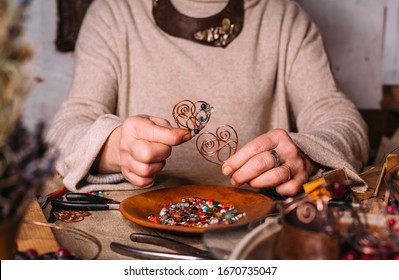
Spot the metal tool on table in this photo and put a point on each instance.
(45, 200)
(184, 251)
(86, 202)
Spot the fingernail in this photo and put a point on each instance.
(226, 170)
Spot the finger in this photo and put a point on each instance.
(290, 188)
(144, 169)
(160, 122)
(300, 176)
(273, 177)
(148, 130)
(249, 150)
(138, 181)
(148, 152)
(255, 166)
(147, 170)
(140, 174)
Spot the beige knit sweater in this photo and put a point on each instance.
(274, 75)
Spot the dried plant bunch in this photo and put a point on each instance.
(24, 161)
(14, 84)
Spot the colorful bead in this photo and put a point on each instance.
(390, 209)
(197, 212)
(338, 190)
(391, 222)
(62, 252)
(32, 253)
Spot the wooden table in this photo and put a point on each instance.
(31, 236)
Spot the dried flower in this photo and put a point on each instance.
(13, 54)
(24, 163)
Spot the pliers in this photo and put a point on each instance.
(86, 202)
(185, 252)
(45, 200)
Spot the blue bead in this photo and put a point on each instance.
(203, 106)
(196, 131)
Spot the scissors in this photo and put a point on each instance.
(86, 202)
(45, 200)
(183, 251)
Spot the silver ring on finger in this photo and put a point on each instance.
(288, 169)
(276, 158)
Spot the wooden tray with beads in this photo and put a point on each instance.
(137, 208)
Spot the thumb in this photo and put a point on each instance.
(183, 134)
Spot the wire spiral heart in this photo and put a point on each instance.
(218, 147)
(193, 116)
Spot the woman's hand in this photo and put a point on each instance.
(255, 164)
(139, 148)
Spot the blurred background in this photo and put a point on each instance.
(361, 38)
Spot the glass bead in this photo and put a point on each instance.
(32, 253)
(190, 212)
(390, 209)
(367, 257)
(338, 190)
(391, 222)
(62, 252)
(349, 255)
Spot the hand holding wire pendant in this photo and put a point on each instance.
(193, 116)
(218, 147)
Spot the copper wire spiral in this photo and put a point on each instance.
(306, 212)
(190, 115)
(218, 147)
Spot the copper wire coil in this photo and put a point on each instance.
(306, 212)
(70, 216)
(190, 115)
(218, 147)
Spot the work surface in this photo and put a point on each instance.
(111, 226)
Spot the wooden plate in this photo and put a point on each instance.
(138, 207)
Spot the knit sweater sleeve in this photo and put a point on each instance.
(87, 117)
(330, 130)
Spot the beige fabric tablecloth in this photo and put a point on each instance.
(111, 226)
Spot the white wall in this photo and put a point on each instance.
(352, 31)
(54, 67)
(390, 64)
(353, 35)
